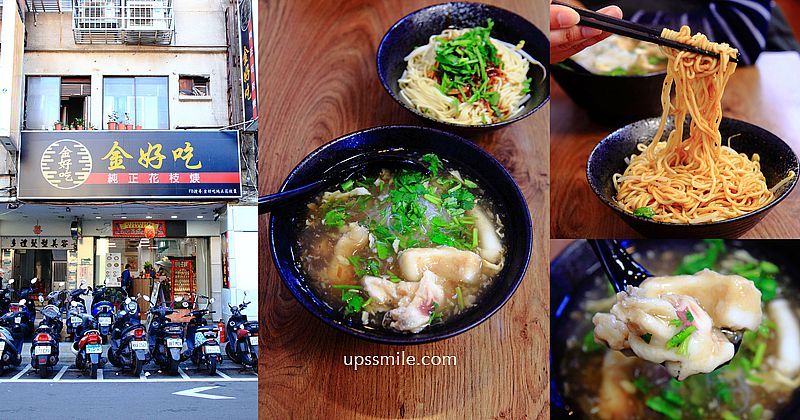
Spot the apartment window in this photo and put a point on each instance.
(197, 86)
(140, 101)
(51, 99)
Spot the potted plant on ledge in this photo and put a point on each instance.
(79, 123)
(112, 120)
(58, 125)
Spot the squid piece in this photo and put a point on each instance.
(489, 246)
(788, 353)
(354, 239)
(615, 402)
(446, 262)
(649, 318)
(339, 195)
(414, 310)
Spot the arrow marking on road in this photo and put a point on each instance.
(196, 392)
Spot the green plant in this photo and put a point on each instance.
(58, 122)
(79, 122)
(113, 116)
(147, 266)
(127, 119)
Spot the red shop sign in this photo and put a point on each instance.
(135, 228)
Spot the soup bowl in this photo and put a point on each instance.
(416, 28)
(608, 158)
(460, 154)
(574, 274)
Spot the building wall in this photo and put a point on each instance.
(51, 50)
(241, 225)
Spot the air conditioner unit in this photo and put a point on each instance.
(147, 15)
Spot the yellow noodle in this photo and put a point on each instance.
(694, 179)
(421, 91)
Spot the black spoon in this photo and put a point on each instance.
(623, 271)
(339, 173)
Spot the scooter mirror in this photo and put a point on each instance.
(146, 298)
(211, 300)
(127, 300)
(10, 282)
(33, 280)
(41, 298)
(23, 301)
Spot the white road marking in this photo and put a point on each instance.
(60, 374)
(196, 392)
(183, 374)
(130, 380)
(100, 375)
(22, 372)
(142, 376)
(224, 376)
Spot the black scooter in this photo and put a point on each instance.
(11, 338)
(44, 347)
(166, 338)
(129, 346)
(6, 296)
(242, 336)
(202, 340)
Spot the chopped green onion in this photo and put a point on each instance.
(459, 298)
(680, 337)
(662, 406)
(474, 237)
(727, 415)
(346, 286)
(759, 354)
(433, 199)
(470, 184)
(347, 185)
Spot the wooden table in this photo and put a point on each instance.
(318, 81)
(767, 95)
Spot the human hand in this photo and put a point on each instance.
(567, 38)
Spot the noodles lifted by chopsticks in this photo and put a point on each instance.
(696, 179)
(463, 76)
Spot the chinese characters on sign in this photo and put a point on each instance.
(137, 164)
(37, 242)
(135, 228)
(246, 39)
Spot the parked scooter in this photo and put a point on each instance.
(129, 346)
(242, 336)
(166, 338)
(29, 312)
(44, 347)
(6, 296)
(202, 340)
(88, 347)
(103, 312)
(76, 313)
(11, 338)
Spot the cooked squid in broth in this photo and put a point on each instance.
(401, 249)
(756, 383)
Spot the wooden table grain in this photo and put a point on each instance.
(767, 95)
(318, 82)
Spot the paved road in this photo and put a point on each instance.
(68, 393)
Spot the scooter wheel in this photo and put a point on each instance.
(137, 366)
(212, 366)
(93, 371)
(231, 354)
(112, 358)
(173, 367)
(43, 372)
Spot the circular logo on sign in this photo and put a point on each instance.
(66, 164)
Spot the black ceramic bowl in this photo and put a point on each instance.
(612, 99)
(415, 141)
(608, 158)
(573, 274)
(415, 29)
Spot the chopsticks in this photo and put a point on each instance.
(633, 30)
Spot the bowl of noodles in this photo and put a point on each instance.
(760, 159)
(693, 172)
(465, 67)
(589, 380)
(398, 255)
(617, 80)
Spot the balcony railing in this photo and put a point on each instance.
(139, 22)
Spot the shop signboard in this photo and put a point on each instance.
(38, 242)
(137, 164)
(135, 228)
(248, 54)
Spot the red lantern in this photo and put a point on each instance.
(149, 232)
